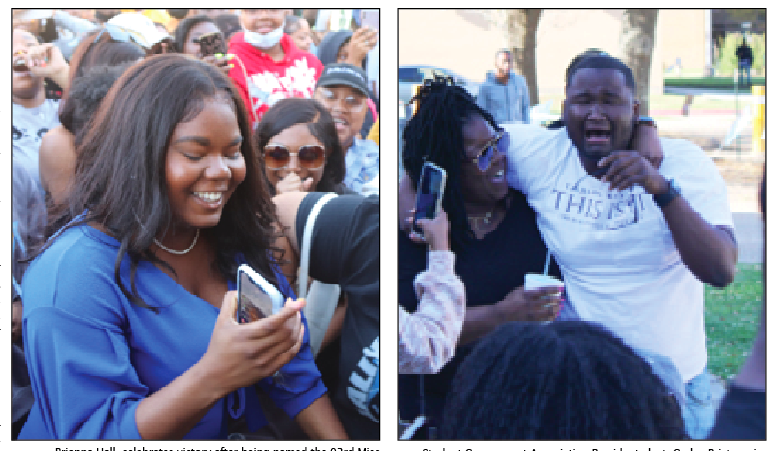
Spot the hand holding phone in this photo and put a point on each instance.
(257, 298)
(212, 44)
(239, 355)
(429, 194)
(436, 232)
(362, 42)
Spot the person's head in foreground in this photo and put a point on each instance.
(298, 143)
(600, 108)
(567, 380)
(197, 169)
(451, 131)
(342, 89)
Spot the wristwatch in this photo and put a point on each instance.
(645, 120)
(665, 198)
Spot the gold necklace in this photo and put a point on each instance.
(173, 251)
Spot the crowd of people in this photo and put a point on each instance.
(154, 151)
(633, 224)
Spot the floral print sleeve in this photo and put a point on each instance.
(428, 337)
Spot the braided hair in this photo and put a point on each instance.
(434, 134)
(568, 380)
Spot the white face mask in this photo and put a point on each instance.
(264, 41)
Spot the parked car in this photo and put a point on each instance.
(412, 75)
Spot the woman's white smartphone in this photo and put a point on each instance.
(429, 193)
(257, 298)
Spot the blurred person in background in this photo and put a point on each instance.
(33, 113)
(300, 31)
(29, 220)
(342, 89)
(143, 31)
(745, 59)
(64, 28)
(229, 24)
(57, 149)
(347, 47)
(504, 93)
(211, 12)
(268, 65)
(189, 30)
(187, 40)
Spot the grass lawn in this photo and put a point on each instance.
(731, 320)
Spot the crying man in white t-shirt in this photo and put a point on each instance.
(635, 243)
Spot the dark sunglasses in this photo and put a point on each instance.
(499, 144)
(309, 157)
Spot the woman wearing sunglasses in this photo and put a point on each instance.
(493, 232)
(299, 145)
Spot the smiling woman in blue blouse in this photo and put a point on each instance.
(129, 321)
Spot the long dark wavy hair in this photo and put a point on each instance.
(289, 112)
(434, 134)
(120, 173)
(568, 380)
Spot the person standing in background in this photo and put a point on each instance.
(504, 94)
(300, 31)
(745, 58)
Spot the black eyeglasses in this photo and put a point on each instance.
(500, 144)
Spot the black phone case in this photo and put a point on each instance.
(212, 44)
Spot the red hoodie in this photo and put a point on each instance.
(268, 80)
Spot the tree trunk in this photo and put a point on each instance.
(638, 27)
(521, 27)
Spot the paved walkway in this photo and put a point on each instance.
(749, 231)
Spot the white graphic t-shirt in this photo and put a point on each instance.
(618, 259)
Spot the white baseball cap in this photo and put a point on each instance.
(141, 27)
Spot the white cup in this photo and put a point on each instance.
(536, 281)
